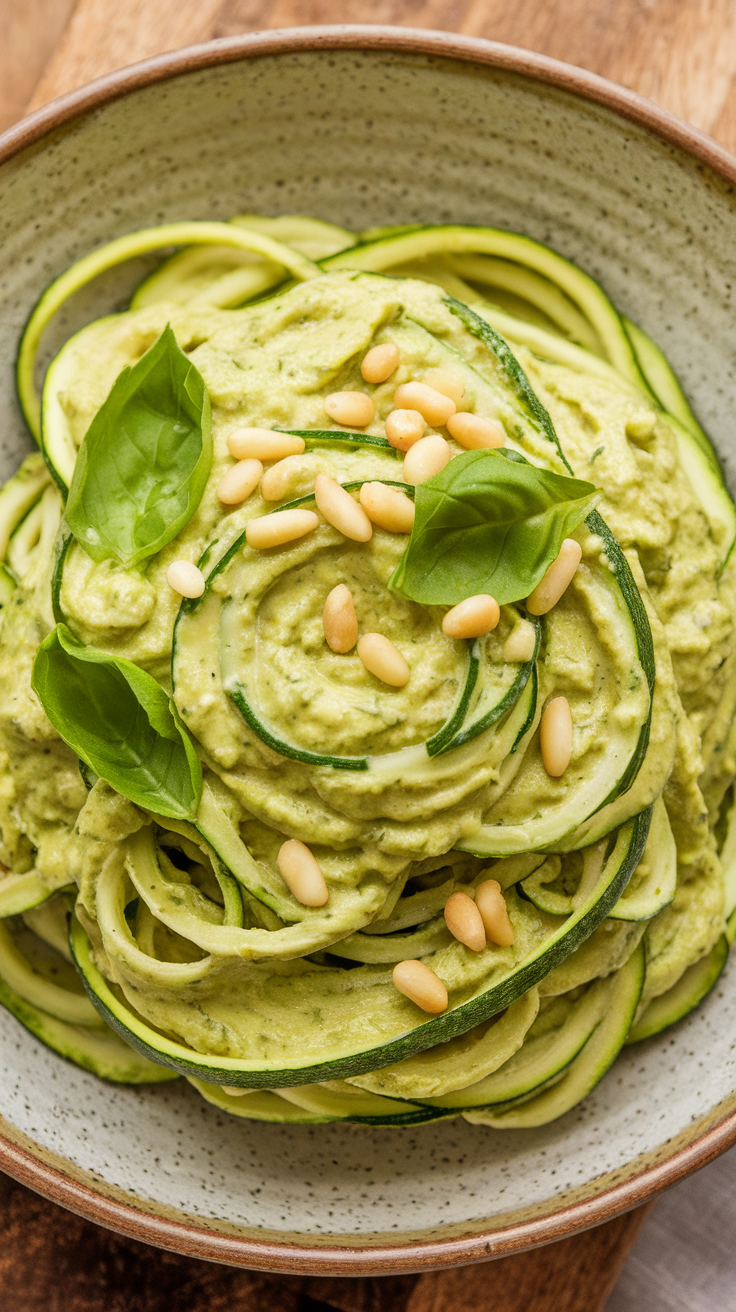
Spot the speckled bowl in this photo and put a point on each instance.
(365, 126)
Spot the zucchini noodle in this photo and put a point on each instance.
(146, 947)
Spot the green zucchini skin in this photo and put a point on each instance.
(402, 1119)
(645, 645)
(240, 284)
(708, 486)
(20, 893)
(116, 252)
(689, 991)
(453, 734)
(19, 495)
(267, 1106)
(392, 249)
(538, 1062)
(57, 1014)
(351, 486)
(521, 686)
(235, 690)
(104, 1054)
(309, 237)
(587, 1069)
(696, 453)
(57, 445)
(232, 1071)
(619, 565)
(657, 891)
(577, 827)
(318, 437)
(263, 1106)
(63, 543)
(529, 721)
(89, 778)
(533, 889)
(56, 999)
(515, 376)
(665, 386)
(237, 694)
(379, 948)
(533, 289)
(661, 885)
(358, 1106)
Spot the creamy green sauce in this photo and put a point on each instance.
(260, 625)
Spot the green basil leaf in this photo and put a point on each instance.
(120, 722)
(488, 522)
(145, 458)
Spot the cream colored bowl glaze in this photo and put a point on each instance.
(364, 126)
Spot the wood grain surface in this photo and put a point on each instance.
(681, 53)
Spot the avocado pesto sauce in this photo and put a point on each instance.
(298, 798)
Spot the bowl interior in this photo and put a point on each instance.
(362, 137)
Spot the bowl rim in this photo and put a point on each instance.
(35, 1168)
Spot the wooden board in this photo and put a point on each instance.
(681, 53)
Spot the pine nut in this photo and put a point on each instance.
(464, 921)
(355, 409)
(339, 620)
(276, 482)
(239, 481)
(492, 907)
(263, 444)
(381, 658)
(301, 873)
(404, 428)
(341, 510)
(559, 575)
(444, 381)
(426, 457)
(387, 507)
(282, 526)
(473, 617)
(185, 578)
(555, 736)
(420, 984)
(380, 362)
(473, 432)
(520, 644)
(430, 403)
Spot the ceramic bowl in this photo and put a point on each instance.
(365, 126)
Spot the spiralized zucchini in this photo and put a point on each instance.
(144, 946)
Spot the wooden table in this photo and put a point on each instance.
(681, 53)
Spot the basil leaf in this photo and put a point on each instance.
(488, 522)
(145, 458)
(120, 722)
